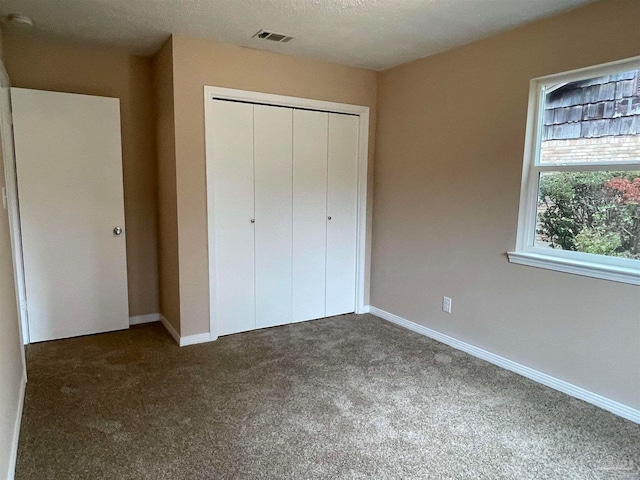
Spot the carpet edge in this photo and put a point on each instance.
(580, 393)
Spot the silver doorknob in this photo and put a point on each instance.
(117, 231)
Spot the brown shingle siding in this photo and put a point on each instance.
(597, 107)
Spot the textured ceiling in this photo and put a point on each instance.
(376, 34)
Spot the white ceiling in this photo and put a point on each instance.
(376, 34)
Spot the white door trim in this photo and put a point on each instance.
(363, 162)
(8, 154)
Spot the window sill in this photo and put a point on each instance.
(587, 269)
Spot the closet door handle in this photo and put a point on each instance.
(329, 218)
(253, 220)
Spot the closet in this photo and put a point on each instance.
(282, 187)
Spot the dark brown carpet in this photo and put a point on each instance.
(349, 397)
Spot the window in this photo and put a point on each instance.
(580, 199)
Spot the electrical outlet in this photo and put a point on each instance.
(446, 304)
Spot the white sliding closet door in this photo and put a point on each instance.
(342, 201)
(282, 187)
(273, 221)
(309, 213)
(231, 211)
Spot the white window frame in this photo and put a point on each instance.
(526, 253)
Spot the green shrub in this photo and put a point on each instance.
(591, 240)
(592, 212)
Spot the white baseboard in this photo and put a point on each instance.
(140, 319)
(170, 329)
(195, 339)
(16, 431)
(552, 382)
(186, 340)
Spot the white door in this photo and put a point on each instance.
(230, 210)
(309, 213)
(273, 209)
(69, 171)
(342, 206)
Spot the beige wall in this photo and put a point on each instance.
(449, 151)
(11, 356)
(167, 197)
(197, 63)
(46, 65)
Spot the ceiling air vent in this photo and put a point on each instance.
(274, 37)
